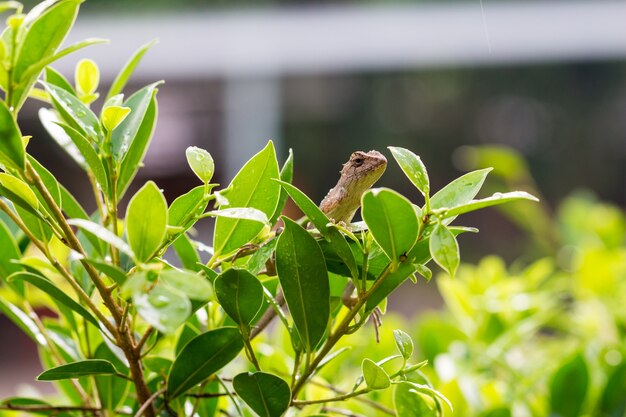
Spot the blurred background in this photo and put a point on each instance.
(545, 78)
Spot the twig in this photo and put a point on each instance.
(149, 401)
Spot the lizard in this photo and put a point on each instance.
(358, 175)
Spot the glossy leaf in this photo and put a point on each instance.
(10, 253)
(286, 175)
(254, 186)
(50, 121)
(322, 223)
(78, 369)
(75, 113)
(162, 306)
(391, 220)
(496, 199)
(568, 387)
(192, 285)
(23, 321)
(89, 156)
(124, 135)
(46, 31)
(73, 209)
(266, 394)
(137, 148)
(187, 253)
(11, 147)
(242, 213)
(392, 281)
(202, 357)
(116, 274)
(103, 234)
(461, 190)
(112, 389)
(201, 163)
(302, 274)
(240, 294)
(444, 249)
(56, 78)
(375, 377)
(19, 192)
(410, 403)
(122, 78)
(186, 207)
(57, 294)
(413, 168)
(113, 116)
(146, 221)
(87, 76)
(404, 343)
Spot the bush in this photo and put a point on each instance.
(134, 334)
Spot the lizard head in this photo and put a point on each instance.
(364, 168)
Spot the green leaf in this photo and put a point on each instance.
(49, 288)
(286, 175)
(45, 33)
(326, 228)
(74, 210)
(116, 274)
(444, 249)
(103, 234)
(75, 113)
(242, 213)
(124, 135)
(193, 285)
(391, 220)
(18, 192)
(122, 78)
(266, 394)
(201, 163)
(49, 181)
(186, 252)
(613, 402)
(568, 387)
(11, 146)
(375, 377)
(240, 294)
(460, 191)
(254, 186)
(404, 343)
(10, 253)
(113, 116)
(89, 156)
(78, 369)
(112, 389)
(146, 221)
(413, 168)
(187, 207)
(202, 357)
(302, 274)
(87, 77)
(50, 122)
(410, 403)
(497, 198)
(137, 149)
(56, 78)
(23, 321)
(393, 281)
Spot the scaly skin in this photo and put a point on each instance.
(358, 175)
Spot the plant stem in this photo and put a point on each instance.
(340, 331)
(124, 339)
(300, 403)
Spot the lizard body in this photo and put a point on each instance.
(358, 175)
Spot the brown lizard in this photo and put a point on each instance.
(358, 175)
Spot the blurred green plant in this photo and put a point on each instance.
(133, 334)
(544, 339)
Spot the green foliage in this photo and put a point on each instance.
(135, 334)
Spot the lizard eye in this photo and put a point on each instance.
(358, 162)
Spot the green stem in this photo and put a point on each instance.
(301, 403)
